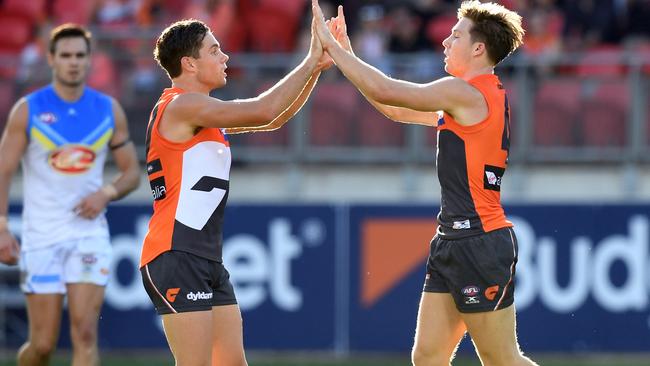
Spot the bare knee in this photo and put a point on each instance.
(42, 347)
(83, 335)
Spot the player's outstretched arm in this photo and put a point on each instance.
(126, 160)
(446, 94)
(324, 63)
(12, 148)
(288, 113)
(202, 110)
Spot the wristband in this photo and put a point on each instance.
(110, 191)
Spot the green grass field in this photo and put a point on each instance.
(254, 359)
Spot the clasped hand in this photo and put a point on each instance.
(326, 34)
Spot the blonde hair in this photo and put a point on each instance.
(496, 26)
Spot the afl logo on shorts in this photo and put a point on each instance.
(72, 159)
(470, 291)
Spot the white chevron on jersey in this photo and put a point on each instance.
(196, 207)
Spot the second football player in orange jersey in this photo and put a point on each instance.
(188, 163)
(469, 283)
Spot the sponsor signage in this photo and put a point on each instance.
(349, 278)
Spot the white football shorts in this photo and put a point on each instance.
(48, 270)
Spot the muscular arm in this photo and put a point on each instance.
(202, 110)
(12, 148)
(124, 155)
(287, 114)
(324, 63)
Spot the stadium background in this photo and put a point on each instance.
(330, 217)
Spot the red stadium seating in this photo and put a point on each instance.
(601, 61)
(73, 11)
(556, 108)
(605, 114)
(34, 10)
(333, 114)
(271, 31)
(16, 32)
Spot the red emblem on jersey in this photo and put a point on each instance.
(47, 118)
(72, 159)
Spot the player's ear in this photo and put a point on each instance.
(50, 58)
(187, 63)
(478, 48)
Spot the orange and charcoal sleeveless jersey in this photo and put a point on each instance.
(471, 161)
(189, 183)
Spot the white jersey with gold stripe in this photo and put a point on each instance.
(63, 163)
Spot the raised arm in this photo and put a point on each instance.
(202, 110)
(12, 148)
(448, 94)
(324, 63)
(288, 113)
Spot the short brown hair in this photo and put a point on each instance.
(183, 38)
(499, 28)
(69, 30)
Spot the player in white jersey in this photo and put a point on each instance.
(63, 133)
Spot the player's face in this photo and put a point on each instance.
(211, 64)
(70, 62)
(458, 48)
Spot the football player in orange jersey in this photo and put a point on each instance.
(469, 282)
(188, 163)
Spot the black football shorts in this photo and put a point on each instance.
(180, 282)
(477, 271)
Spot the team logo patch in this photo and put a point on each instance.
(491, 292)
(72, 159)
(47, 118)
(492, 177)
(171, 294)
